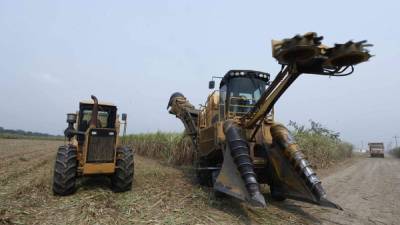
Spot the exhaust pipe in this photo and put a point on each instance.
(95, 112)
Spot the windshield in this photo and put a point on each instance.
(244, 92)
(377, 146)
(102, 119)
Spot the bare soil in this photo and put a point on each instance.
(367, 189)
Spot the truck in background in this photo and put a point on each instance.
(376, 149)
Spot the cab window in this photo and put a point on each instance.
(244, 92)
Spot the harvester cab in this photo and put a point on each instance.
(239, 145)
(93, 148)
(239, 91)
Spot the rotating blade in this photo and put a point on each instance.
(299, 49)
(347, 54)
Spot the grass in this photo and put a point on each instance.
(174, 148)
(396, 152)
(322, 151)
(321, 146)
(161, 194)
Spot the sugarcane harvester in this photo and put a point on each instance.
(237, 142)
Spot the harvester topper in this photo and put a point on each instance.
(237, 142)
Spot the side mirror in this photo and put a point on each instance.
(123, 116)
(211, 84)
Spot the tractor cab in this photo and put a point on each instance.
(240, 90)
(107, 113)
(105, 121)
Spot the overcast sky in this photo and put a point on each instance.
(135, 54)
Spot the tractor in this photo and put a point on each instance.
(93, 148)
(239, 145)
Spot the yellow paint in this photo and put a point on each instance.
(98, 168)
(82, 150)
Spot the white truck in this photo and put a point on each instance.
(376, 149)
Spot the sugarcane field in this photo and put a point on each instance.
(175, 112)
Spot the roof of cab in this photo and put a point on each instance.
(244, 73)
(100, 103)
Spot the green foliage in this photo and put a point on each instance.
(395, 152)
(174, 148)
(321, 146)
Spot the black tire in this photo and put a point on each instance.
(276, 194)
(122, 178)
(65, 171)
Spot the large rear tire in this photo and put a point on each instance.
(65, 171)
(122, 178)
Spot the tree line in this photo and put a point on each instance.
(19, 132)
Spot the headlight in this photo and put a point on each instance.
(71, 118)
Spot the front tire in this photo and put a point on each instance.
(65, 171)
(122, 178)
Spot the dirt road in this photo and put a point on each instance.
(368, 190)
